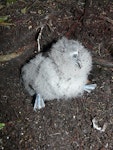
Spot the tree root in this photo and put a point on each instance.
(19, 52)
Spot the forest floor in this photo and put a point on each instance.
(84, 123)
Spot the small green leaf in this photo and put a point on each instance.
(23, 11)
(3, 18)
(11, 1)
(2, 125)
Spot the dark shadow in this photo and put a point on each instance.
(33, 100)
(47, 48)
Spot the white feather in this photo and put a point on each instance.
(61, 75)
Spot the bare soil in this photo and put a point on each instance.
(61, 125)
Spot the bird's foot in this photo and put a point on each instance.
(39, 102)
(89, 87)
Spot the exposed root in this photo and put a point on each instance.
(13, 55)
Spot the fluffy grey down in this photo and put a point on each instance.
(62, 74)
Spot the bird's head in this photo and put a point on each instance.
(70, 48)
(67, 50)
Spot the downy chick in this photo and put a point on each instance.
(61, 74)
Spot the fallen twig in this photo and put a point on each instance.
(42, 25)
(6, 24)
(107, 19)
(103, 62)
(39, 37)
(95, 126)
